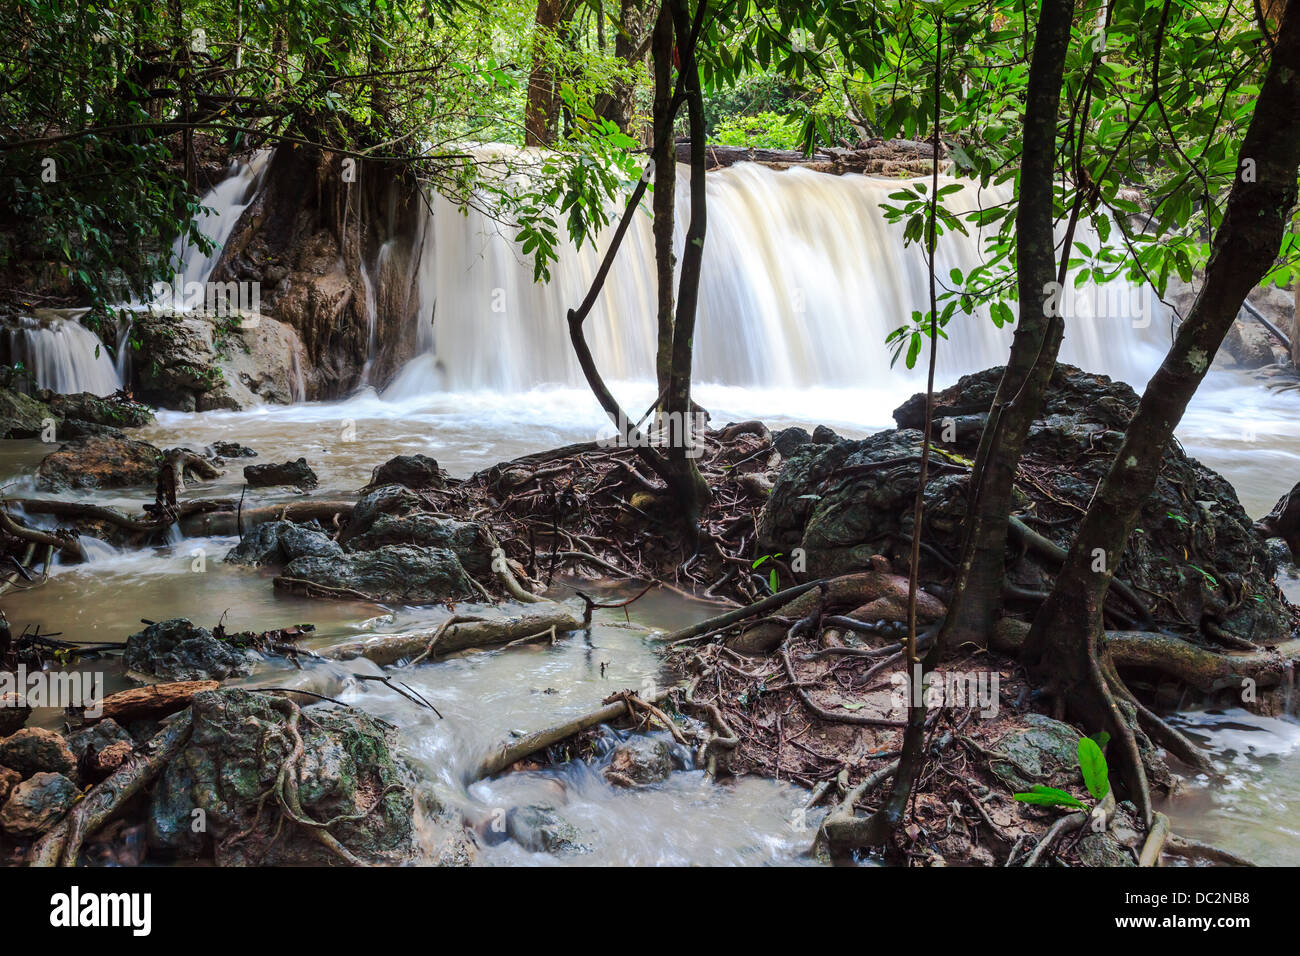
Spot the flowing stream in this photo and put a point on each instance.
(803, 279)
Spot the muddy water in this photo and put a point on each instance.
(1247, 433)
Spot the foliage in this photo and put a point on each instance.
(1096, 777)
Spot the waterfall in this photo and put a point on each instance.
(61, 354)
(803, 278)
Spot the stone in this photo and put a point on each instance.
(638, 761)
(229, 449)
(540, 829)
(99, 461)
(35, 750)
(100, 748)
(279, 542)
(36, 804)
(239, 741)
(384, 500)
(8, 780)
(176, 650)
(411, 471)
(115, 412)
(472, 542)
(788, 439)
(1038, 750)
(397, 573)
(295, 473)
(21, 416)
(14, 711)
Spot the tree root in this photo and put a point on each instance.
(64, 543)
(842, 829)
(1157, 834)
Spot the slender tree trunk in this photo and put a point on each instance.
(1065, 643)
(977, 598)
(681, 450)
(665, 190)
(630, 47)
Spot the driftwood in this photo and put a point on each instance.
(198, 517)
(493, 628)
(62, 845)
(517, 750)
(69, 546)
(154, 700)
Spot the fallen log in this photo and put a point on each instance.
(495, 626)
(230, 520)
(526, 746)
(62, 845)
(152, 701)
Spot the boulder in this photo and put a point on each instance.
(279, 542)
(100, 461)
(1037, 750)
(35, 750)
(384, 500)
(347, 772)
(472, 542)
(21, 416)
(36, 804)
(229, 449)
(14, 711)
(285, 473)
(176, 650)
(410, 471)
(90, 409)
(638, 761)
(540, 829)
(397, 573)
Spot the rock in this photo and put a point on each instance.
(1250, 345)
(1102, 849)
(239, 742)
(279, 542)
(195, 362)
(472, 542)
(286, 473)
(35, 750)
(824, 435)
(100, 748)
(229, 449)
(8, 780)
(21, 416)
(176, 650)
(100, 461)
(399, 573)
(410, 471)
(37, 804)
(847, 502)
(386, 499)
(638, 761)
(1283, 522)
(1038, 750)
(88, 409)
(72, 429)
(788, 439)
(14, 712)
(540, 829)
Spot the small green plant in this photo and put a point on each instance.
(773, 577)
(1096, 777)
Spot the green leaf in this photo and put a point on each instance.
(1050, 797)
(1092, 762)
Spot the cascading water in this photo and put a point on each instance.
(63, 355)
(803, 279)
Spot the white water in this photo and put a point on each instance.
(63, 355)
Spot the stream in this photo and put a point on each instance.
(1246, 432)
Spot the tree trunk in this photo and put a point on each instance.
(1066, 639)
(619, 103)
(977, 597)
(542, 110)
(665, 190)
(680, 452)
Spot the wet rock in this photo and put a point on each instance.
(37, 804)
(21, 416)
(100, 748)
(72, 429)
(471, 541)
(825, 435)
(229, 449)
(8, 780)
(14, 711)
(177, 650)
(113, 412)
(286, 473)
(788, 439)
(240, 741)
(384, 500)
(35, 750)
(638, 761)
(540, 829)
(405, 573)
(1194, 544)
(279, 542)
(1039, 750)
(100, 461)
(1249, 345)
(410, 471)
(1103, 849)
